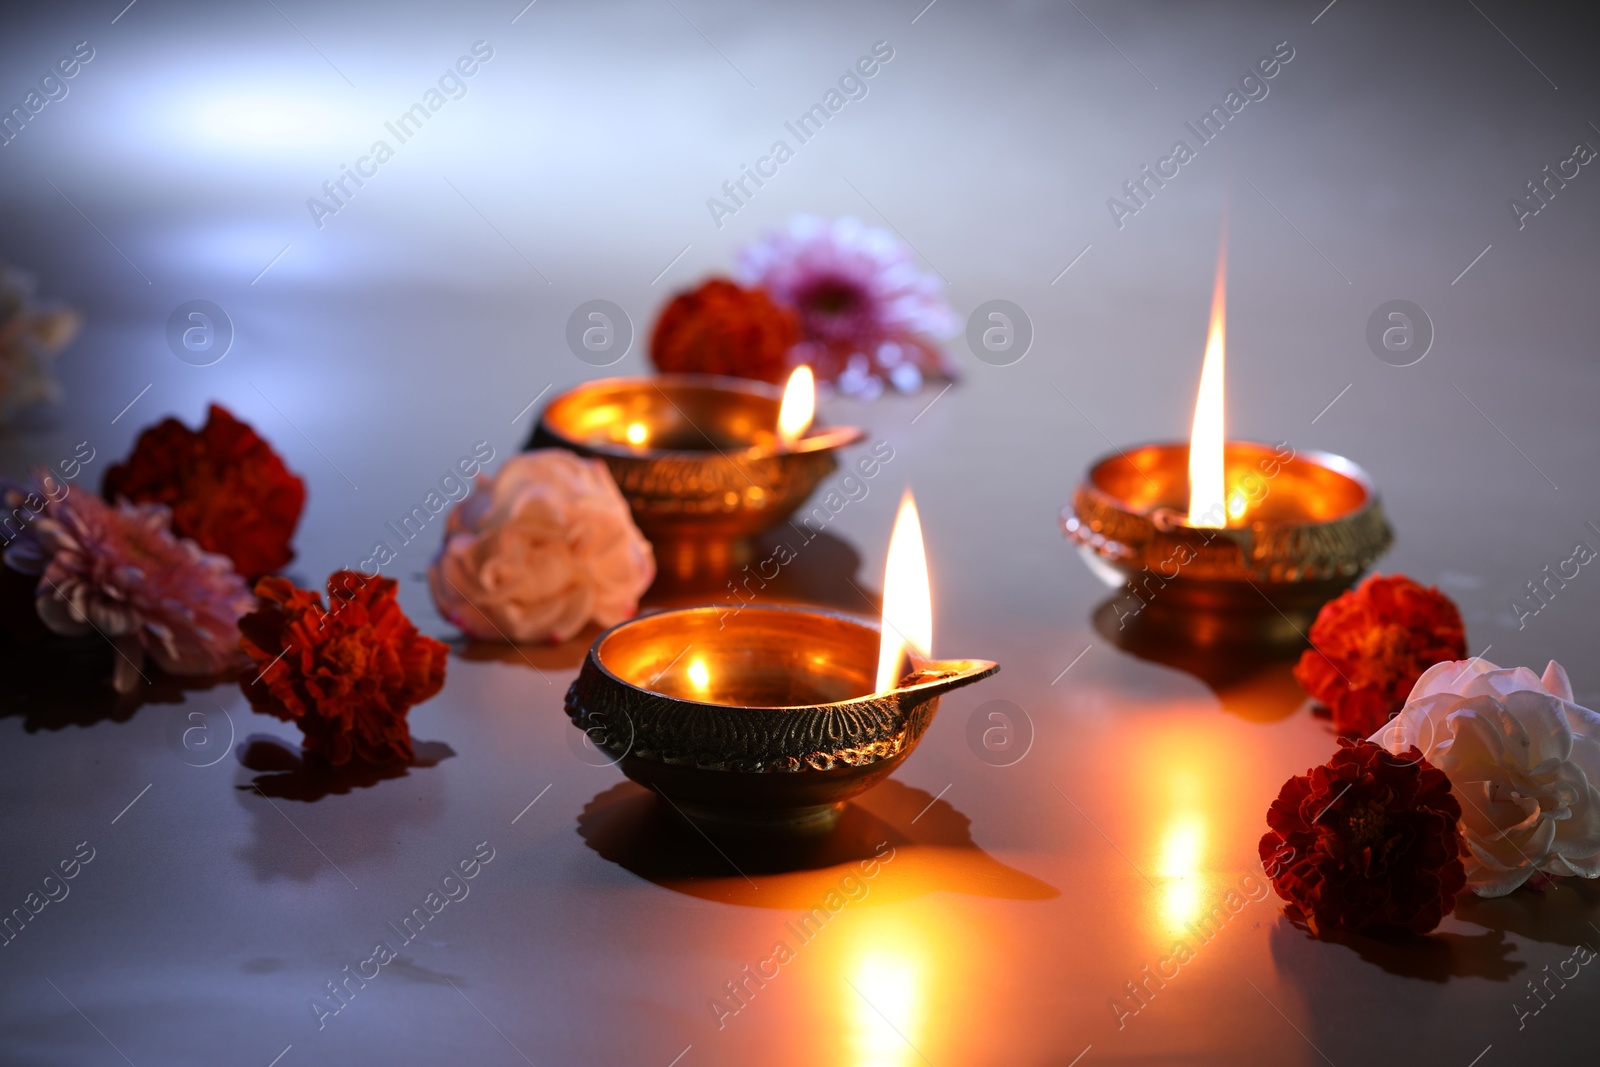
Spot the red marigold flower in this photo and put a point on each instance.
(720, 328)
(347, 677)
(1371, 644)
(227, 489)
(1368, 841)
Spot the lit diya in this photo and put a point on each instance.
(1223, 540)
(705, 462)
(776, 715)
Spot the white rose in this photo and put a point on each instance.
(540, 549)
(1522, 758)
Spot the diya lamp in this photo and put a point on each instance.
(1221, 541)
(705, 462)
(774, 716)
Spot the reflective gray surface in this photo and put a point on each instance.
(430, 310)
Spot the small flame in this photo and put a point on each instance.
(799, 405)
(699, 676)
(907, 600)
(637, 433)
(1206, 506)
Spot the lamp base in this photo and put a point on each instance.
(790, 822)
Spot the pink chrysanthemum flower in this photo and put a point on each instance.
(121, 572)
(867, 314)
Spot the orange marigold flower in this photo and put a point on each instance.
(720, 328)
(347, 677)
(1370, 645)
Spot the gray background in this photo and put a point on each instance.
(431, 311)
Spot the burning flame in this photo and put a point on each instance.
(1206, 506)
(637, 433)
(799, 405)
(907, 600)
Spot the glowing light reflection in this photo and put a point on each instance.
(699, 675)
(886, 1010)
(1182, 859)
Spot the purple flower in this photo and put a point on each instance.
(867, 314)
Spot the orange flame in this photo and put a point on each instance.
(907, 599)
(799, 405)
(1206, 507)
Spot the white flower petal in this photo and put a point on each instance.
(1523, 759)
(1555, 679)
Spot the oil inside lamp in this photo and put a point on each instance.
(907, 600)
(907, 621)
(796, 412)
(705, 462)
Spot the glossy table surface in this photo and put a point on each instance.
(975, 913)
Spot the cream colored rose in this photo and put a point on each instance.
(1522, 758)
(540, 549)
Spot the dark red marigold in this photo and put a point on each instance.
(1368, 841)
(346, 676)
(228, 490)
(1371, 644)
(720, 328)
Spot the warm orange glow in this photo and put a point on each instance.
(1182, 861)
(1183, 810)
(638, 433)
(907, 600)
(699, 676)
(799, 405)
(886, 1008)
(1206, 506)
(1182, 846)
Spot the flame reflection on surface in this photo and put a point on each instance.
(699, 675)
(886, 1011)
